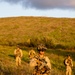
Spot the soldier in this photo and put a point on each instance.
(18, 54)
(32, 58)
(31, 53)
(32, 61)
(69, 65)
(43, 65)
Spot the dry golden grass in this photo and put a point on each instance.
(17, 30)
(22, 28)
(7, 61)
(30, 31)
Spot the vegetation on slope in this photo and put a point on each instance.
(53, 32)
(58, 35)
(8, 66)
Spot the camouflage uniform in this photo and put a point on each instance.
(43, 65)
(32, 62)
(31, 53)
(69, 65)
(18, 54)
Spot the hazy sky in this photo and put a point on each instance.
(47, 8)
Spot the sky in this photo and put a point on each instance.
(43, 8)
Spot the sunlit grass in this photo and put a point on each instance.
(19, 29)
(7, 60)
(57, 34)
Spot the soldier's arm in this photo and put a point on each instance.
(29, 52)
(66, 62)
(21, 53)
(48, 62)
(72, 62)
(15, 52)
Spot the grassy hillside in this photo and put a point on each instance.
(58, 35)
(8, 67)
(53, 32)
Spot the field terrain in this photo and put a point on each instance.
(57, 34)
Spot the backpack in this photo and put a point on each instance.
(64, 62)
(68, 61)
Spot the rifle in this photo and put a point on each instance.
(41, 67)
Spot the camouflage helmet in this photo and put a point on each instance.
(41, 47)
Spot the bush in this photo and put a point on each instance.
(49, 42)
